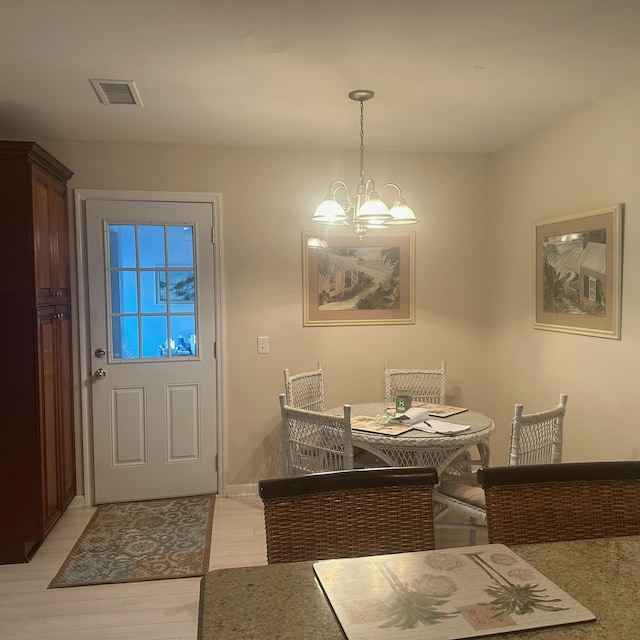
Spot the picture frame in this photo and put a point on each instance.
(358, 281)
(578, 273)
(181, 286)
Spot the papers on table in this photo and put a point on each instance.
(412, 416)
(437, 410)
(441, 427)
(418, 418)
(393, 428)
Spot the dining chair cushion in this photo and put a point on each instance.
(464, 487)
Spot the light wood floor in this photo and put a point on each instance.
(155, 610)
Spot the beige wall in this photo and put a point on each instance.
(268, 198)
(586, 161)
(473, 275)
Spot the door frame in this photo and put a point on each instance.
(83, 334)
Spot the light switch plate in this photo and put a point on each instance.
(263, 344)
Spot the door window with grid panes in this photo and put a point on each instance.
(152, 288)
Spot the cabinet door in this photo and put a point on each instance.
(64, 398)
(51, 507)
(51, 239)
(60, 224)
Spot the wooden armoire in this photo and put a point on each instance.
(37, 460)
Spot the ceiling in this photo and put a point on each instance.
(449, 75)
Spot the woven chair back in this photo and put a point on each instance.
(424, 385)
(349, 513)
(305, 390)
(314, 441)
(554, 502)
(536, 438)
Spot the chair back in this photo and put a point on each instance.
(347, 514)
(305, 390)
(314, 441)
(536, 438)
(424, 385)
(552, 502)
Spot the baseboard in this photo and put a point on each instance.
(241, 490)
(78, 501)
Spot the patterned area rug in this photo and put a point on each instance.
(137, 541)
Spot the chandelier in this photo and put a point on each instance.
(366, 210)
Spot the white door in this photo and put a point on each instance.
(152, 333)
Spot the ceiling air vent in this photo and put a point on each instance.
(116, 91)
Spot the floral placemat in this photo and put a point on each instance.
(365, 423)
(456, 593)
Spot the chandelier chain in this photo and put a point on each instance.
(361, 142)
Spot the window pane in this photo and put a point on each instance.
(153, 294)
(151, 239)
(180, 241)
(122, 246)
(124, 292)
(183, 327)
(125, 337)
(154, 336)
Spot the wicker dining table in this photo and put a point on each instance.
(416, 448)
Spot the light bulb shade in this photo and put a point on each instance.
(330, 211)
(401, 213)
(376, 224)
(373, 209)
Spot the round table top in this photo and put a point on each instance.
(480, 427)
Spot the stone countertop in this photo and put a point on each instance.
(285, 601)
(271, 602)
(603, 575)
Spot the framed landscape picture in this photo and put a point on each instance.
(578, 273)
(181, 287)
(347, 280)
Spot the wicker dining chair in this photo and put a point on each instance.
(305, 390)
(571, 501)
(347, 514)
(423, 385)
(314, 441)
(536, 438)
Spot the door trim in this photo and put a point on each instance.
(84, 372)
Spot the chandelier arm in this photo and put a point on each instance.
(394, 185)
(335, 186)
(369, 186)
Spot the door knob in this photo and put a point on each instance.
(99, 374)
